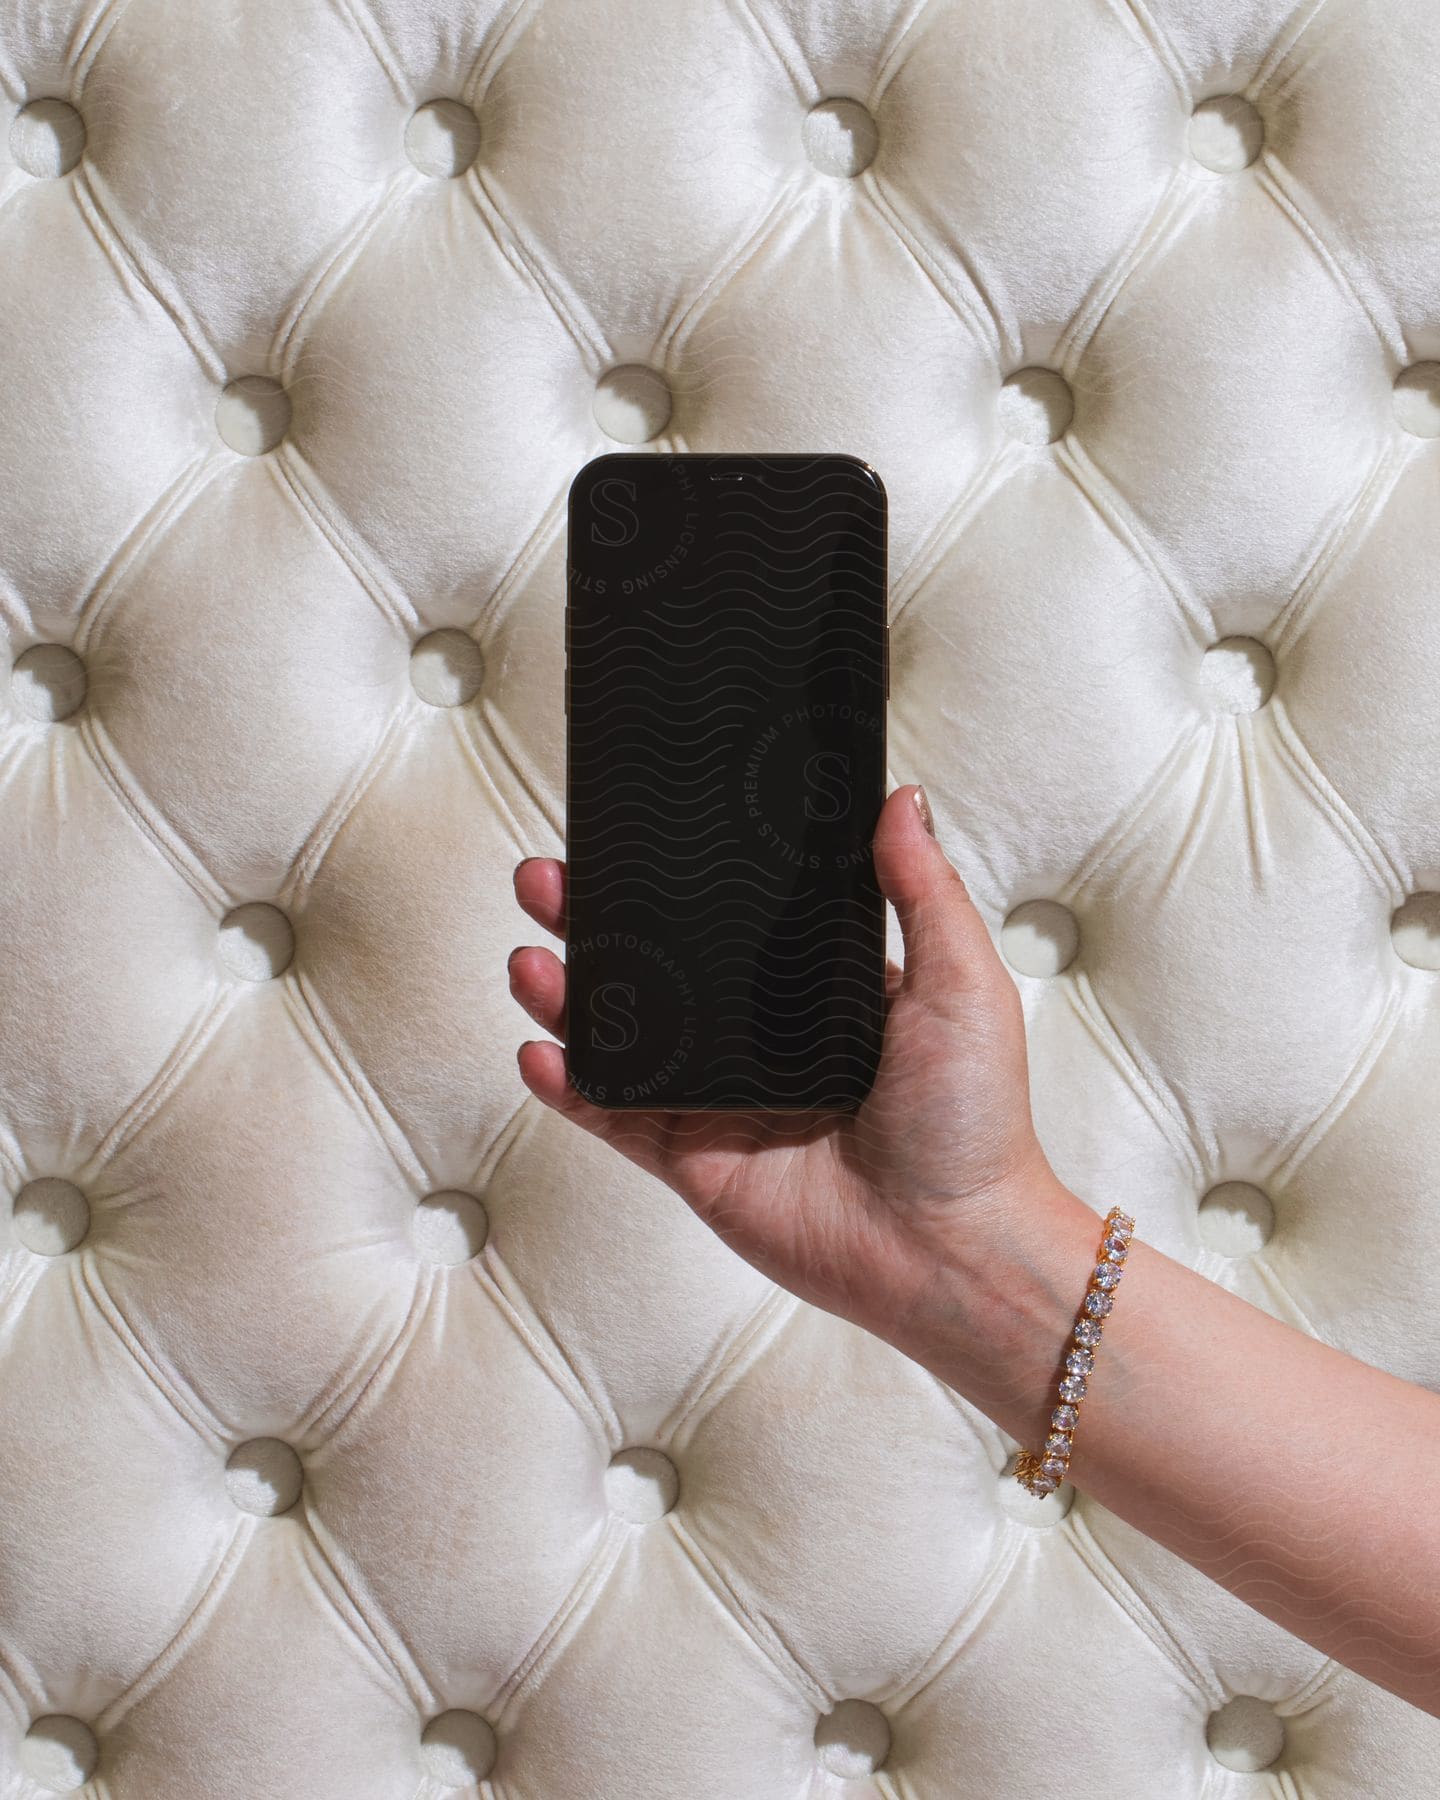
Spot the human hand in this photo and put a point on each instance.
(859, 1213)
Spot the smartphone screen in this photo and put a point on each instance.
(725, 689)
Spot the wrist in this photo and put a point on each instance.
(1002, 1301)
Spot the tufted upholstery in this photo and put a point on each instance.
(365, 1430)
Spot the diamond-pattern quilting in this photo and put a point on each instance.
(314, 659)
(278, 131)
(365, 1431)
(98, 347)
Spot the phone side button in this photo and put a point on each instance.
(887, 662)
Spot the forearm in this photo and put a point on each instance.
(1297, 1477)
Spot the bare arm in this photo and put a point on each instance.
(1299, 1478)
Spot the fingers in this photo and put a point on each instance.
(542, 1069)
(894, 978)
(641, 1136)
(946, 942)
(537, 981)
(540, 890)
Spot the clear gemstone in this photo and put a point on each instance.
(1107, 1274)
(1054, 1465)
(1042, 1484)
(1058, 1444)
(1072, 1387)
(1097, 1305)
(1063, 1418)
(1080, 1362)
(1115, 1248)
(1087, 1331)
(1122, 1222)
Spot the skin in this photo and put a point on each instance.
(932, 1218)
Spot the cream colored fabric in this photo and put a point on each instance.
(364, 1432)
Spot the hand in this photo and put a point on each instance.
(859, 1213)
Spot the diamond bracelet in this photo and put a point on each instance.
(1044, 1473)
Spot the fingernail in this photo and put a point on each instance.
(922, 806)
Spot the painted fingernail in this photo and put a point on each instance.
(922, 806)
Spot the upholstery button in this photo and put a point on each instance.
(450, 1227)
(641, 1484)
(1040, 937)
(1415, 931)
(442, 138)
(458, 1748)
(632, 403)
(840, 137)
(1226, 133)
(256, 941)
(51, 1216)
(1036, 405)
(1238, 674)
(264, 1476)
(47, 138)
(60, 1753)
(252, 414)
(1417, 399)
(446, 667)
(48, 681)
(853, 1739)
(1236, 1218)
(1245, 1734)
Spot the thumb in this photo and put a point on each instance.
(947, 944)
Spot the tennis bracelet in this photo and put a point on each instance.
(1042, 1474)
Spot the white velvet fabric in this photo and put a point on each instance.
(363, 1431)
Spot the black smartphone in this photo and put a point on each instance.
(726, 677)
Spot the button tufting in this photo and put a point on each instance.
(264, 1476)
(442, 138)
(450, 1227)
(48, 681)
(632, 403)
(458, 1748)
(247, 207)
(446, 667)
(853, 1739)
(1238, 674)
(840, 137)
(1226, 133)
(252, 414)
(641, 1484)
(47, 138)
(51, 1216)
(60, 1753)
(1040, 937)
(256, 941)
(1236, 1218)
(1415, 931)
(1246, 1734)
(1036, 405)
(1417, 399)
